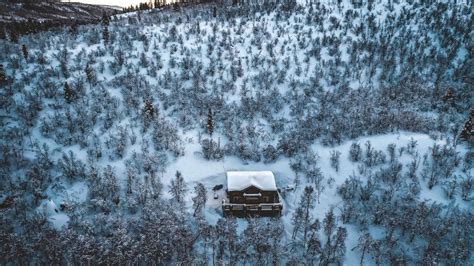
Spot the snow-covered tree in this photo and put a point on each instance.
(3, 76)
(335, 155)
(178, 187)
(302, 215)
(355, 152)
(199, 201)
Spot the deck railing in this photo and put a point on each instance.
(228, 207)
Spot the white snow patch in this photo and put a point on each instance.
(51, 210)
(239, 180)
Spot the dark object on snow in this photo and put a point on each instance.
(216, 196)
(286, 189)
(252, 194)
(217, 187)
(62, 206)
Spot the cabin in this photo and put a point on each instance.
(251, 193)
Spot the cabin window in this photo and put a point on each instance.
(238, 207)
(252, 208)
(236, 198)
(252, 196)
(266, 199)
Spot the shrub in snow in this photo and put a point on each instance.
(355, 152)
(440, 165)
(391, 149)
(71, 167)
(467, 188)
(372, 156)
(270, 154)
(450, 187)
(335, 155)
(211, 149)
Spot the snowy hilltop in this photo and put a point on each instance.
(116, 137)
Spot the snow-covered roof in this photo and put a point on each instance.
(240, 180)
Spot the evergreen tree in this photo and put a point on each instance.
(68, 93)
(178, 187)
(106, 35)
(14, 36)
(143, 60)
(105, 19)
(3, 76)
(3, 35)
(25, 51)
(111, 188)
(210, 123)
(468, 130)
(73, 29)
(149, 109)
(329, 224)
(158, 3)
(467, 187)
(149, 113)
(90, 74)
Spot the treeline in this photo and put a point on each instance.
(12, 31)
(162, 3)
(37, 16)
(177, 3)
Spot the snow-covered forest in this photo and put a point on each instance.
(114, 135)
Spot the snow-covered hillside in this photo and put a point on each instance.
(44, 11)
(357, 110)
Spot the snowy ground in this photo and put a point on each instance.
(195, 168)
